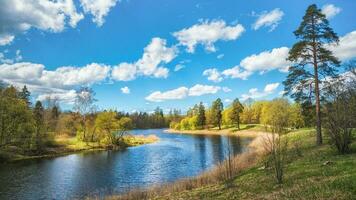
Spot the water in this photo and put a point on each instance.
(102, 173)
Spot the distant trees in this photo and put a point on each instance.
(314, 34)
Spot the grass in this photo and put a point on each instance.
(312, 172)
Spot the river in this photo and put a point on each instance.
(101, 173)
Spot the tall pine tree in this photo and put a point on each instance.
(216, 112)
(312, 61)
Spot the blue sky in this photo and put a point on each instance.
(127, 51)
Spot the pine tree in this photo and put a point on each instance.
(25, 95)
(38, 113)
(237, 109)
(201, 115)
(311, 60)
(216, 112)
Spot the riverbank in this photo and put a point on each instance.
(245, 131)
(64, 145)
(312, 172)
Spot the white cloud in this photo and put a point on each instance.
(220, 56)
(158, 96)
(198, 90)
(226, 89)
(267, 60)
(227, 100)
(98, 8)
(59, 82)
(346, 48)
(124, 72)
(253, 93)
(268, 19)
(155, 54)
(4, 59)
(179, 67)
(213, 75)
(271, 87)
(183, 92)
(6, 39)
(236, 72)
(207, 33)
(125, 90)
(21, 15)
(330, 10)
(65, 96)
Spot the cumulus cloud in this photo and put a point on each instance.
(98, 9)
(330, 10)
(21, 15)
(158, 96)
(346, 48)
(207, 33)
(213, 75)
(267, 60)
(253, 93)
(59, 82)
(155, 54)
(198, 90)
(268, 19)
(183, 92)
(64, 96)
(125, 90)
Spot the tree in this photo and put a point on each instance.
(314, 34)
(84, 105)
(38, 115)
(237, 109)
(25, 95)
(201, 116)
(216, 112)
(276, 114)
(340, 110)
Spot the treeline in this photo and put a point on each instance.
(33, 127)
(257, 112)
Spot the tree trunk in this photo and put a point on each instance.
(319, 139)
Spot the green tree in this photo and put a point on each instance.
(38, 115)
(314, 33)
(25, 95)
(201, 115)
(237, 109)
(216, 112)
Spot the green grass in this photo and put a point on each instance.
(306, 176)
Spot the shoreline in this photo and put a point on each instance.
(223, 132)
(66, 149)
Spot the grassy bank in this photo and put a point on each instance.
(64, 145)
(312, 172)
(250, 130)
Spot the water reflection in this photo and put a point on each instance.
(101, 173)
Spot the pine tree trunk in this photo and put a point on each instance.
(319, 139)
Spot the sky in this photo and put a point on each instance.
(140, 54)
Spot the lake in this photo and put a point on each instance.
(173, 157)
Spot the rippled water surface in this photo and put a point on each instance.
(101, 173)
